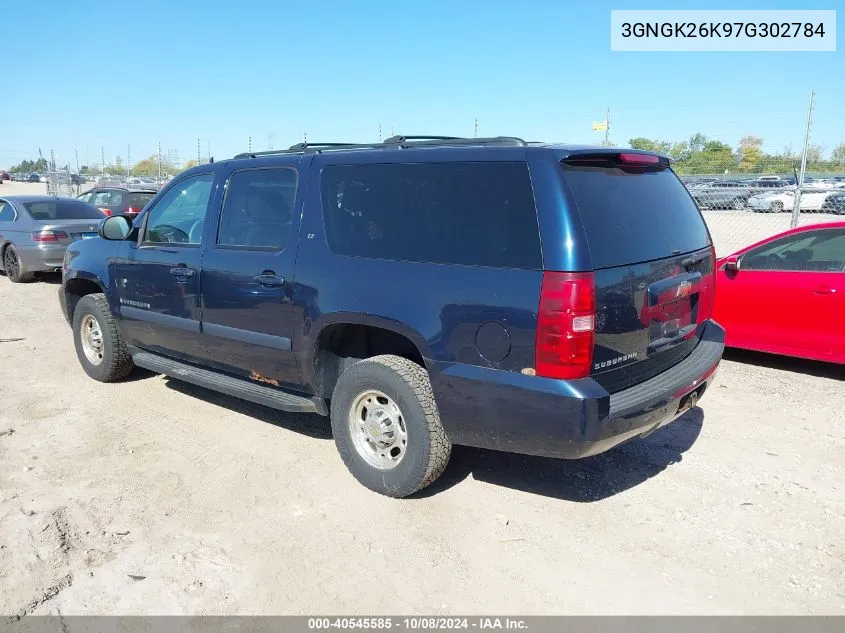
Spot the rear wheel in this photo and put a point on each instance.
(738, 204)
(99, 345)
(777, 206)
(14, 269)
(386, 426)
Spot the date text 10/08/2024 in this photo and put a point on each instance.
(418, 623)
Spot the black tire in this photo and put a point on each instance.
(428, 448)
(12, 267)
(739, 204)
(776, 206)
(116, 362)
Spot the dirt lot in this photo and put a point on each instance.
(152, 496)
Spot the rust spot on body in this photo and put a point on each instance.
(270, 381)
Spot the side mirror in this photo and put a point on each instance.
(732, 264)
(117, 227)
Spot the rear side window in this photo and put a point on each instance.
(474, 214)
(7, 213)
(634, 214)
(62, 210)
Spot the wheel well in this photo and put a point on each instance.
(75, 289)
(343, 344)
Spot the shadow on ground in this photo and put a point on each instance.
(49, 278)
(815, 368)
(309, 424)
(583, 480)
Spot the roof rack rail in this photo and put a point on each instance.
(401, 139)
(302, 146)
(410, 141)
(391, 143)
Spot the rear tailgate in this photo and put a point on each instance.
(653, 265)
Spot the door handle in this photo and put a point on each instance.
(824, 290)
(182, 271)
(269, 278)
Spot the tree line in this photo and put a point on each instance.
(146, 167)
(701, 155)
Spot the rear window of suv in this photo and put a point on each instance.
(634, 214)
(475, 214)
(139, 199)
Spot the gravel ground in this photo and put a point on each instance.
(152, 496)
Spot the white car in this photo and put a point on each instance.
(811, 200)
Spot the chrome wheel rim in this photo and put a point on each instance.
(92, 339)
(11, 263)
(378, 430)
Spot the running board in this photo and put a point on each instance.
(236, 387)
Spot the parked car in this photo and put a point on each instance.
(78, 179)
(4, 176)
(786, 294)
(777, 201)
(834, 203)
(362, 282)
(35, 232)
(118, 200)
(724, 194)
(35, 178)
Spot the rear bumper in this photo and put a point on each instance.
(567, 418)
(41, 258)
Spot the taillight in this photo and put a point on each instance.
(132, 209)
(48, 236)
(105, 211)
(565, 325)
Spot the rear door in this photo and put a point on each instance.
(247, 275)
(787, 296)
(652, 260)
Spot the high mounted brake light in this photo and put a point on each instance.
(640, 159)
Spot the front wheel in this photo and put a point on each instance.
(738, 204)
(99, 345)
(777, 206)
(386, 426)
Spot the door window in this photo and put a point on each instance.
(178, 217)
(258, 209)
(815, 251)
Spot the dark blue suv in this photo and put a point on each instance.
(544, 299)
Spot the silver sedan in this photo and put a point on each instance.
(35, 231)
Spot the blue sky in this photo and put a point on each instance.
(114, 74)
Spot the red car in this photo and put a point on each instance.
(786, 294)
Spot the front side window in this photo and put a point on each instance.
(814, 251)
(258, 209)
(474, 214)
(178, 217)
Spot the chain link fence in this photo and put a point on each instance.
(742, 210)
